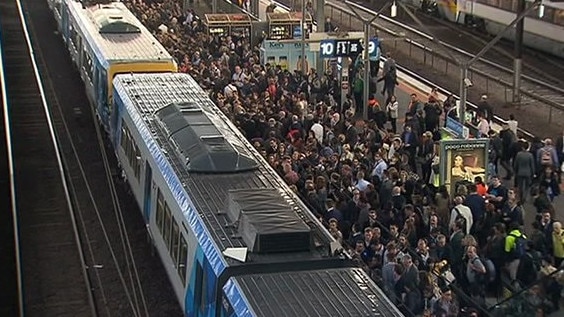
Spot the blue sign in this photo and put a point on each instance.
(455, 127)
(348, 48)
(374, 49)
(297, 32)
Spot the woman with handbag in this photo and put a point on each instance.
(392, 109)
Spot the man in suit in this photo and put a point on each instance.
(409, 140)
(508, 138)
(351, 133)
(524, 168)
(457, 249)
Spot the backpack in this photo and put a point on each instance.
(393, 72)
(546, 157)
(461, 219)
(490, 274)
(316, 83)
(519, 249)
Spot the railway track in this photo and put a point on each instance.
(126, 279)
(8, 266)
(54, 277)
(537, 65)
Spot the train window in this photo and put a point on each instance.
(182, 257)
(548, 15)
(73, 37)
(493, 3)
(129, 150)
(137, 162)
(508, 5)
(532, 14)
(167, 225)
(173, 246)
(160, 210)
(204, 293)
(123, 140)
(198, 297)
(87, 65)
(559, 17)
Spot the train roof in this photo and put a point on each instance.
(116, 35)
(250, 208)
(335, 292)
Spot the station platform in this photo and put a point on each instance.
(408, 85)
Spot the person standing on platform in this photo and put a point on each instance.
(358, 90)
(512, 123)
(392, 109)
(485, 108)
(560, 151)
(557, 244)
(547, 156)
(389, 76)
(508, 138)
(524, 168)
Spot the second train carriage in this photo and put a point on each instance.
(222, 220)
(105, 40)
(543, 29)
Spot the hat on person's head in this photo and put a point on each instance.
(428, 134)
(484, 97)
(326, 152)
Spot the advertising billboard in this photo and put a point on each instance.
(462, 161)
(287, 54)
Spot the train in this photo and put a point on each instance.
(543, 27)
(233, 237)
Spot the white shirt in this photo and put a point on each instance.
(362, 184)
(483, 127)
(513, 125)
(464, 212)
(229, 90)
(318, 132)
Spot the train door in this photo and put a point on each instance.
(147, 195)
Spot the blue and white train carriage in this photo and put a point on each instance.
(105, 40)
(234, 239)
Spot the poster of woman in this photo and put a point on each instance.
(463, 161)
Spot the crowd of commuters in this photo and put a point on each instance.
(374, 182)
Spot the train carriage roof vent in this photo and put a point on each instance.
(111, 21)
(267, 221)
(199, 143)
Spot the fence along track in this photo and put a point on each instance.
(533, 90)
(54, 278)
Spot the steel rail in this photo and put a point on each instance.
(12, 181)
(60, 164)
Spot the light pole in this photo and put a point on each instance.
(366, 56)
(320, 18)
(303, 42)
(518, 61)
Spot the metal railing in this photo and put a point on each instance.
(428, 56)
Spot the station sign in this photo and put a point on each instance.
(332, 48)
